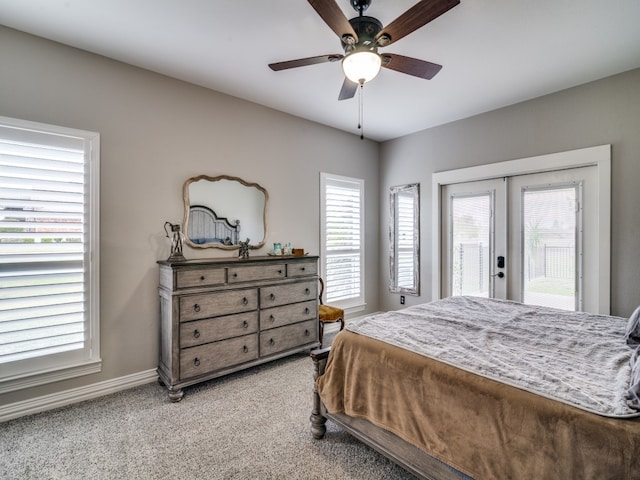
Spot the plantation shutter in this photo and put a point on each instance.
(44, 248)
(343, 238)
(405, 227)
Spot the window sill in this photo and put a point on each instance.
(21, 382)
(354, 309)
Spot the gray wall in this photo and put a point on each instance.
(155, 133)
(602, 112)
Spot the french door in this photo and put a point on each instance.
(530, 238)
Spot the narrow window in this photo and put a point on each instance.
(342, 239)
(48, 253)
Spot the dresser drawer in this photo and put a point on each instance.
(199, 332)
(257, 272)
(204, 359)
(200, 277)
(292, 292)
(215, 304)
(291, 336)
(299, 269)
(295, 312)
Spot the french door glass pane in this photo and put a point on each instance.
(549, 247)
(471, 238)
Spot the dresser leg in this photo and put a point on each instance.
(175, 395)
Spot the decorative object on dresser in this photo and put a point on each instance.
(243, 252)
(176, 254)
(218, 316)
(328, 313)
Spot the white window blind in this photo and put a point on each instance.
(405, 229)
(343, 239)
(48, 269)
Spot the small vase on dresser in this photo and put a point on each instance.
(219, 316)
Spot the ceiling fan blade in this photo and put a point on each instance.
(303, 62)
(417, 16)
(410, 66)
(333, 16)
(348, 89)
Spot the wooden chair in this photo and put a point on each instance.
(328, 313)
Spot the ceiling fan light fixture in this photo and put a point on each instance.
(361, 66)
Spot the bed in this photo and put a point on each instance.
(205, 226)
(467, 387)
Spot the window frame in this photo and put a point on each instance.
(356, 303)
(56, 367)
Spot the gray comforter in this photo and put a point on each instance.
(573, 357)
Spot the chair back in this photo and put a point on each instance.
(321, 290)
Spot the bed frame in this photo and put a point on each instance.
(205, 224)
(408, 456)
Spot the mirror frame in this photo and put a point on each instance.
(187, 206)
(412, 189)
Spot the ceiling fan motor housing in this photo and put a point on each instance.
(366, 28)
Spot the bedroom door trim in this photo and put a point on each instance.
(599, 156)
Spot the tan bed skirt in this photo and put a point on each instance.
(481, 427)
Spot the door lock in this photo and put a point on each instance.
(500, 262)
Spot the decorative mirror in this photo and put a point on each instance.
(221, 211)
(404, 239)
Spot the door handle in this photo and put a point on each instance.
(499, 275)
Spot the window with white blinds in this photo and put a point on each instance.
(342, 242)
(48, 253)
(405, 240)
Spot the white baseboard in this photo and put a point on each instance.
(75, 395)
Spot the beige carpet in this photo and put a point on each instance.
(250, 425)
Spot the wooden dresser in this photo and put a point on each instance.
(218, 316)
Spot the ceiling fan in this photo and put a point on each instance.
(361, 37)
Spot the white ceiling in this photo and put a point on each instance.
(494, 52)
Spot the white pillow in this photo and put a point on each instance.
(633, 328)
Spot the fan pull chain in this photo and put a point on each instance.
(361, 109)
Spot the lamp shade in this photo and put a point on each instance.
(361, 66)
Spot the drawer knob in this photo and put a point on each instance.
(235, 275)
(196, 307)
(279, 272)
(302, 269)
(272, 318)
(272, 341)
(307, 333)
(245, 300)
(307, 291)
(306, 311)
(272, 296)
(202, 278)
(245, 324)
(245, 349)
(196, 333)
(196, 362)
